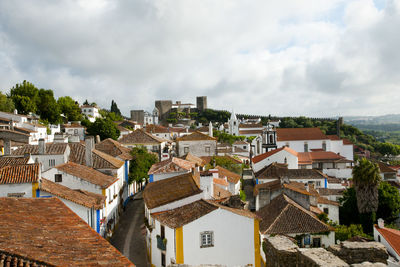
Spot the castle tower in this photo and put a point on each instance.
(233, 124)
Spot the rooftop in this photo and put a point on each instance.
(284, 216)
(171, 165)
(88, 174)
(51, 149)
(392, 236)
(45, 230)
(279, 171)
(12, 160)
(17, 174)
(169, 190)
(196, 136)
(139, 136)
(100, 160)
(78, 196)
(263, 156)
(232, 177)
(299, 134)
(114, 148)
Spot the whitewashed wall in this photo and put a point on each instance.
(177, 203)
(16, 188)
(197, 148)
(333, 214)
(278, 157)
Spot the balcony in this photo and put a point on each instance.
(161, 243)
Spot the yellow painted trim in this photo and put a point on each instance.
(150, 253)
(257, 255)
(35, 186)
(263, 261)
(103, 192)
(179, 245)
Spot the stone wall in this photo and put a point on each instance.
(281, 251)
(358, 252)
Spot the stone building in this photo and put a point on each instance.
(197, 143)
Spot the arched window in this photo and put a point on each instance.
(271, 139)
(324, 146)
(285, 160)
(305, 147)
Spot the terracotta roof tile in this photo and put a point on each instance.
(140, 137)
(241, 212)
(220, 182)
(171, 165)
(100, 160)
(220, 193)
(232, 177)
(196, 136)
(347, 142)
(392, 236)
(12, 161)
(192, 158)
(273, 185)
(323, 200)
(333, 137)
(51, 149)
(28, 173)
(207, 159)
(250, 125)
(45, 230)
(183, 215)
(151, 128)
(254, 132)
(169, 190)
(114, 148)
(297, 187)
(72, 125)
(330, 191)
(278, 171)
(78, 196)
(88, 174)
(320, 156)
(261, 157)
(384, 168)
(299, 134)
(284, 216)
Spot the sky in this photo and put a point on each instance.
(286, 58)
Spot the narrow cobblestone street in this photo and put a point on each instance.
(128, 237)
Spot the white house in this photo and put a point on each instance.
(390, 239)
(283, 155)
(286, 217)
(49, 155)
(76, 176)
(198, 144)
(331, 208)
(233, 179)
(170, 168)
(92, 112)
(204, 232)
(19, 180)
(74, 129)
(87, 205)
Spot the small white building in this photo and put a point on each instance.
(283, 155)
(390, 239)
(91, 112)
(170, 168)
(331, 208)
(19, 180)
(74, 129)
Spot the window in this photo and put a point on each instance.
(326, 210)
(379, 238)
(316, 242)
(305, 147)
(318, 183)
(75, 131)
(58, 178)
(207, 149)
(244, 147)
(52, 162)
(155, 148)
(186, 149)
(285, 160)
(162, 230)
(324, 146)
(206, 239)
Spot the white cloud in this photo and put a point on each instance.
(267, 57)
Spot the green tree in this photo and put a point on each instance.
(70, 108)
(141, 164)
(6, 103)
(348, 211)
(389, 202)
(343, 232)
(25, 97)
(366, 180)
(114, 108)
(227, 163)
(47, 106)
(105, 128)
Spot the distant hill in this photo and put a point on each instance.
(373, 120)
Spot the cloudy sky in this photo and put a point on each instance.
(287, 57)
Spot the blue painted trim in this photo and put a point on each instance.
(257, 181)
(126, 201)
(126, 171)
(151, 178)
(326, 183)
(37, 192)
(98, 221)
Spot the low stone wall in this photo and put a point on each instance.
(280, 251)
(359, 252)
(315, 257)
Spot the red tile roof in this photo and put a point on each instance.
(280, 171)
(165, 191)
(196, 136)
(140, 137)
(220, 182)
(299, 134)
(333, 137)
(319, 156)
(272, 152)
(28, 173)
(250, 125)
(12, 161)
(88, 174)
(114, 148)
(297, 187)
(232, 177)
(78, 196)
(44, 229)
(100, 160)
(284, 216)
(192, 158)
(273, 185)
(171, 165)
(253, 132)
(220, 193)
(392, 236)
(151, 128)
(51, 149)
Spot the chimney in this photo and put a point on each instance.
(7, 147)
(15, 111)
(233, 149)
(42, 147)
(381, 223)
(98, 139)
(210, 129)
(89, 143)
